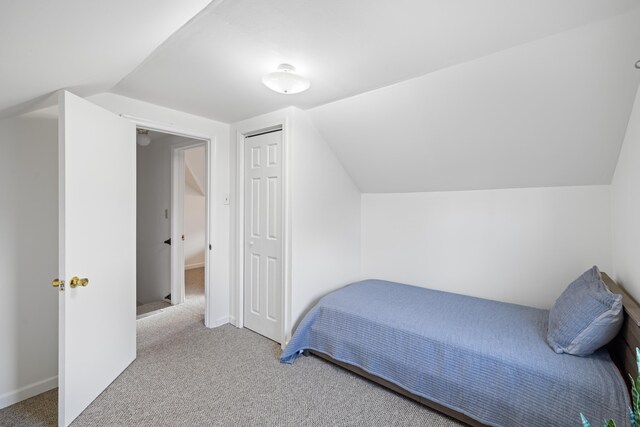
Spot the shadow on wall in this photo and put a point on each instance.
(28, 254)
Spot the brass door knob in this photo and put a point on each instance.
(56, 283)
(75, 281)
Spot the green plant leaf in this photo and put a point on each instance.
(634, 413)
(635, 396)
(635, 388)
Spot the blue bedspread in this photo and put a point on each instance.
(486, 359)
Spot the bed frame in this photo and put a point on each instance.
(622, 351)
(623, 347)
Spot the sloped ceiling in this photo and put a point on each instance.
(552, 112)
(196, 168)
(412, 95)
(85, 46)
(213, 66)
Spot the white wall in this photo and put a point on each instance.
(625, 208)
(518, 245)
(325, 215)
(194, 208)
(28, 256)
(177, 122)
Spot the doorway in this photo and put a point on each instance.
(172, 230)
(194, 224)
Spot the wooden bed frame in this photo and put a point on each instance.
(622, 351)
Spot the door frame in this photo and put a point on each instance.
(211, 160)
(177, 219)
(252, 128)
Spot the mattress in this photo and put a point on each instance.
(486, 359)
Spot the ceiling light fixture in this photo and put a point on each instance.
(142, 138)
(286, 81)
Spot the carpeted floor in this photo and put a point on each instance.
(152, 306)
(188, 375)
(193, 288)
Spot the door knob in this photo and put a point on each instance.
(57, 282)
(75, 281)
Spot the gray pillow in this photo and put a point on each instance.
(585, 317)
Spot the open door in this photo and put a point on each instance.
(97, 257)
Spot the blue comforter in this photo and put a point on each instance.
(486, 359)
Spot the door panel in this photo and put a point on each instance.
(263, 237)
(97, 329)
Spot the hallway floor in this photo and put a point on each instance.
(193, 289)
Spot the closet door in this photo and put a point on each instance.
(263, 234)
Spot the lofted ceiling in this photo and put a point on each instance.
(552, 112)
(84, 46)
(411, 95)
(213, 66)
(196, 170)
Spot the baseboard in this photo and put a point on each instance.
(232, 320)
(192, 266)
(221, 321)
(28, 391)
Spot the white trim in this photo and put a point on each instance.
(177, 223)
(177, 226)
(28, 391)
(194, 266)
(249, 127)
(169, 128)
(210, 144)
(221, 321)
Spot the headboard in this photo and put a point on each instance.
(623, 347)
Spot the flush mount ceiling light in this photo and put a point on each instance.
(286, 81)
(142, 138)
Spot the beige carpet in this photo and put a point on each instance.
(188, 375)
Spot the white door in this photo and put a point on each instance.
(97, 217)
(263, 234)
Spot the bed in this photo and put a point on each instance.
(482, 362)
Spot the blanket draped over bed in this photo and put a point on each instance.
(486, 359)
